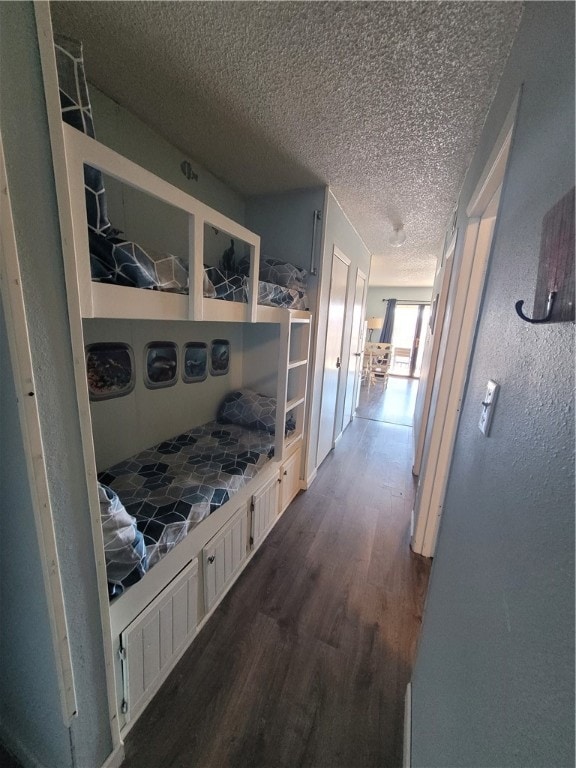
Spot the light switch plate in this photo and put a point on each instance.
(488, 407)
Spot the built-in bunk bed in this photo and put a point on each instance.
(177, 520)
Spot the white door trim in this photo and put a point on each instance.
(457, 342)
(55, 128)
(431, 354)
(336, 254)
(355, 341)
(343, 371)
(20, 355)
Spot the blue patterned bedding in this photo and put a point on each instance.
(231, 286)
(173, 486)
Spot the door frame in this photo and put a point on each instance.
(20, 356)
(358, 354)
(441, 288)
(336, 254)
(457, 341)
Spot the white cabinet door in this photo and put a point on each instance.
(264, 510)
(154, 641)
(223, 556)
(289, 479)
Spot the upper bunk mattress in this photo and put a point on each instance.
(171, 487)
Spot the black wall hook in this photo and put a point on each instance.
(549, 307)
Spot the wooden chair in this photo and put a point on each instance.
(401, 356)
(377, 358)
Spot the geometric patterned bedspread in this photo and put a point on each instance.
(231, 286)
(171, 487)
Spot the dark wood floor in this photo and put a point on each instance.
(7, 760)
(395, 404)
(306, 661)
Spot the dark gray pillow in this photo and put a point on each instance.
(249, 409)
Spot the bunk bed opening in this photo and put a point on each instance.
(123, 203)
(183, 417)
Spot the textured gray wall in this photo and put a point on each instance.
(30, 711)
(29, 167)
(494, 679)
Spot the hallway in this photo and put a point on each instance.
(306, 661)
(395, 404)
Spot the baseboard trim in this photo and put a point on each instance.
(19, 750)
(116, 758)
(309, 480)
(407, 750)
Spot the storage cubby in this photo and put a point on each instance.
(298, 345)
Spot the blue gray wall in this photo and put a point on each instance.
(122, 131)
(493, 683)
(30, 711)
(28, 696)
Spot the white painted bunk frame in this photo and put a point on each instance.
(88, 299)
(112, 301)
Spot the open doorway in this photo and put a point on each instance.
(410, 323)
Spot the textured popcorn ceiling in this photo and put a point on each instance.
(383, 101)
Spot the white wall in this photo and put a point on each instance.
(126, 425)
(149, 222)
(339, 232)
(493, 683)
(377, 295)
(122, 131)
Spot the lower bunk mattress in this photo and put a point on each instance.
(150, 502)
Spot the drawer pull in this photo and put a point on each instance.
(211, 559)
(285, 471)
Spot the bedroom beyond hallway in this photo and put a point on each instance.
(306, 660)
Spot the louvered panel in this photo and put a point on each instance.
(223, 556)
(151, 649)
(180, 620)
(265, 510)
(166, 632)
(290, 476)
(152, 643)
